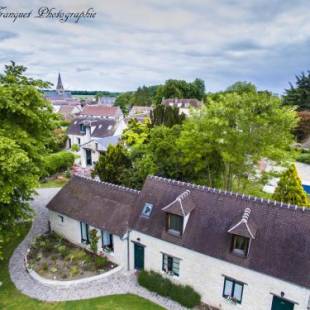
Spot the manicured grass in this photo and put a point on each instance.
(11, 298)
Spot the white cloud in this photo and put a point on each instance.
(134, 42)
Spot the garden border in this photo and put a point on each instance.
(66, 283)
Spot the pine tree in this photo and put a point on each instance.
(290, 190)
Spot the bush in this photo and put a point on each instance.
(304, 158)
(183, 294)
(101, 262)
(57, 162)
(75, 148)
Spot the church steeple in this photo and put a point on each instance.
(59, 88)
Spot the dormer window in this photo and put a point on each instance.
(240, 245)
(82, 128)
(175, 224)
(242, 233)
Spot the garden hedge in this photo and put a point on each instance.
(57, 162)
(183, 294)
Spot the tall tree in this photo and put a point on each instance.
(113, 165)
(241, 87)
(180, 89)
(166, 115)
(299, 95)
(26, 128)
(289, 188)
(137, 132)
(240, 129)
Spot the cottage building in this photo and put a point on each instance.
(103, 112)
(183, 104)
(139, 113)
(238, 252)
(93, 136)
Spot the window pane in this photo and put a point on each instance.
(228, 286)
(176, 223)
(238, 291)
(165, 262)
(176, 266)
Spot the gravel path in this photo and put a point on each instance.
(120, 283)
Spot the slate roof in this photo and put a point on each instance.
(281, 247)
(103, 127)
(101, 205)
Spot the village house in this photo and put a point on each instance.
(103, 112)
(185, 105)
(93, 136)
(139, 113)
(237, 251)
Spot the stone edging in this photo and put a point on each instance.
(66, 283)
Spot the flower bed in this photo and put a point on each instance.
(53, 257)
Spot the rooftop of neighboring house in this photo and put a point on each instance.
(278, 234)
(100, 110)
(102, 143)
(182, 103)
(55, 95)
(101, 205)
(100, 128)
(107, 100)
(139, 112)
(69, 111)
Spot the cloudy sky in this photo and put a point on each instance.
(135, 42)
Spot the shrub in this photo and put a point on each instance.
(304, 158)
(57, 162)
(94, 241)
(101, 262)
(75, 148)
(45, 266)
(74, 271)
(183, 294)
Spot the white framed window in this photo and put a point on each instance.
(233, 289)
(84, 233)
(107, 241)
(171, 265)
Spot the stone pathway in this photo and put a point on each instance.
(120, 283)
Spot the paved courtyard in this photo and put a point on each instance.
(120, 283)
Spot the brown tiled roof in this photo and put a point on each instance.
(102, 205)
(281, 247)
(100, 110)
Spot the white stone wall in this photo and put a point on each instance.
(206, 275)
(70, 230)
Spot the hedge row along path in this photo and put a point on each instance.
(120, 283)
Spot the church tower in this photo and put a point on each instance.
(60, 89)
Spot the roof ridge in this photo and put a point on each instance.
(124, 188)
(214, 190)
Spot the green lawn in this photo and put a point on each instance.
(11, 298)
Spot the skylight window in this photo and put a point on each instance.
(147, 209)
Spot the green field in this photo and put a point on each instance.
(11, 298)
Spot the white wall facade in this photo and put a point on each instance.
(206, 275)
(70, 229)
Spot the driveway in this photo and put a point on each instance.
(120, 283)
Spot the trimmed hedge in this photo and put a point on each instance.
(183, 294)
(57, 162)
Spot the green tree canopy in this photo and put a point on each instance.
(289, 188)
(299, 95)
(239, 129)
(26, 128)
(180, 89)
(166, 115)
(137, 132)
(242, 87)
(113, 165)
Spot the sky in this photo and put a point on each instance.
(131, 43)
